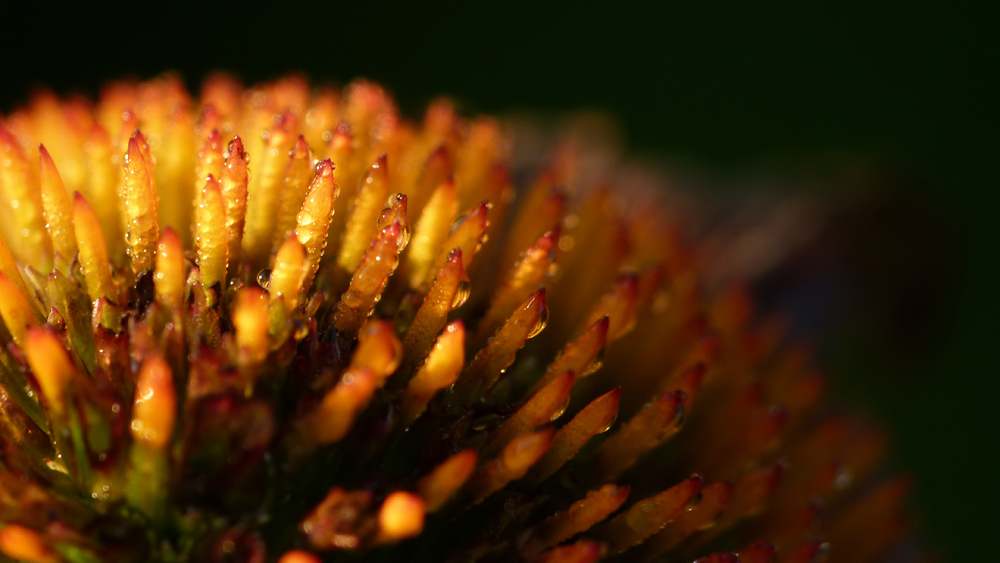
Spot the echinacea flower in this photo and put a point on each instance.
(288, 324)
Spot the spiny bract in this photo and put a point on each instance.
(280, 322)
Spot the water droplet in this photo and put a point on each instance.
(695, 501)
(543, 319)
(264, 278)
(611, 421)
(461, 294)
(351, 299)
(404, 237)
(674, 426)
(562, 408)
(596, 364)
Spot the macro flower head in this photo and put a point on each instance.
(285, 323)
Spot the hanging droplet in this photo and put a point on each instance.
(596, 364)
(674, 426)
(461, 294)
(264, 278)
(611, 421)
(543, 319)
(404, 237)
(561, 409)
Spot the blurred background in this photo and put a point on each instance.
(880, 112)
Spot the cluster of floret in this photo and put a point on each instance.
(285, 323)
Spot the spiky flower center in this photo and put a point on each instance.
(283, 322)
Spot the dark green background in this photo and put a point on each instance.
(723, 84)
